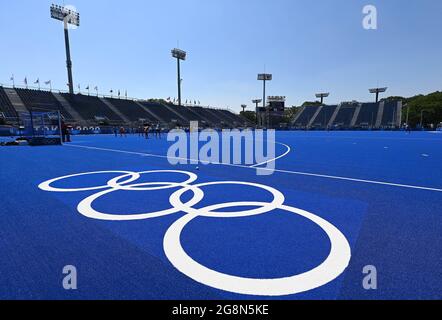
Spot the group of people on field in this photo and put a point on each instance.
(142, 131)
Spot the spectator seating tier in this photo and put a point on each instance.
(207, 114)
(389, 116)
(131, 110)
(306, 116)
(6, 106)
(234, 118)
(368, 115)
(324, 117)
(91, 107)
(161, 111)
(345, 115)
(185, 113)
(37, 99)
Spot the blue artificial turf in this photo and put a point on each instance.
(394, 228)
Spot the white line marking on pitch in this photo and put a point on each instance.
(369, 138)
(391, 184)
(277, 158)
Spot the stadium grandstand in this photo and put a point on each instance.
(350, 116)
(86, 110)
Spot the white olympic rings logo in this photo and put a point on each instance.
(335, 264)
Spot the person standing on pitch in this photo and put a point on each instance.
(122, 132)
(146, 131)
(65, 134)
(158, 131)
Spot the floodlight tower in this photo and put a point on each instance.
(264, 77)
(322, 96)
(179, 55)
(69, 17)
(244, 107)
(256, 102)
(377, 91)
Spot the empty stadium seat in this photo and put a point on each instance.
(37, 99)
(6, 106)
(90, 107)
(324, 117)
(306, 116)
(234, 118)
(226, 119)
(186, 113)
(207, 114)
(390, 114)
(367, 115)
(130, 109)
(161, 112)
(345, 115)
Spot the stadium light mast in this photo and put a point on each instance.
(377, 91)
(322, 96)
(69, 17)
(179, 55)
(264, 77)
(244, 107)
(256, 102)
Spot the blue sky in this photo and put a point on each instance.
(309, 46)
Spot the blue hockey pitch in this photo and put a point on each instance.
(337, 202)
